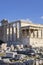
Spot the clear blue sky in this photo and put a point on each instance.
(22, 9)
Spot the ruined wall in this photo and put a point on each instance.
(36, 42)
(25, 41)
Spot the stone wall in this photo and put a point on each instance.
(36, 42)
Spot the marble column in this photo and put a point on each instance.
(42, 33)
(29, 33)
(39, 33)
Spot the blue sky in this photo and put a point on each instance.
(22, 9)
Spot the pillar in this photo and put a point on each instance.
(39, 33)
(42, 33)
(29, 33)
(14, 32)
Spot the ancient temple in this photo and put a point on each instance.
(21, 32)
